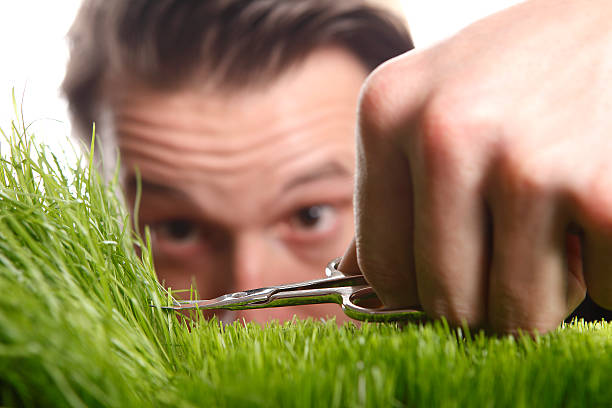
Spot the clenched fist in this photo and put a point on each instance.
(484, 181)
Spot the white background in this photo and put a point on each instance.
(33, 51)
(33, 54)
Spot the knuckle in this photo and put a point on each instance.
(376, 101)
(390, 96)
(441, 133)
(453, 108)
(451, 131)
(517, 175)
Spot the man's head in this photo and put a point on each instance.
(239, 116)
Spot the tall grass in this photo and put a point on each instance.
(77, 329)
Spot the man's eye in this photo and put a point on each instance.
(177, 230)
(314, 217)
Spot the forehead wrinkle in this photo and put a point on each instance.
(203, 158)
(193, 130)
(205, 134)
(300, 164)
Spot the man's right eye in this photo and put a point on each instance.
(177, 231)
(179, 239)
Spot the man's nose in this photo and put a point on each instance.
(248, 262)
(256, 264)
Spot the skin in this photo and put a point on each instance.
(245, 189)
(484, 183)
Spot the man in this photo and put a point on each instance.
(484, 183)
(239, 118)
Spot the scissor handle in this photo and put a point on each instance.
(363, 304)
(374, 311)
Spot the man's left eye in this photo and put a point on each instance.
(315, 217)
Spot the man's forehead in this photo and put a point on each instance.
(299, 128)
(323, 90)
(237, 156)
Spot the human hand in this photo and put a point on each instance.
(484, 180)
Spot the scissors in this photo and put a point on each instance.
(352, 292)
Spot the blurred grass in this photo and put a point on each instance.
(76, 328)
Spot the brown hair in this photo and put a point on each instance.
(235, 42)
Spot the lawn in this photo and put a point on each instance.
(77, 329)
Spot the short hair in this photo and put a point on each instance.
(165, 43)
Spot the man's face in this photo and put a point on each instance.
(245, 189)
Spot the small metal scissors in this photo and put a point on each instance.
(352, 292)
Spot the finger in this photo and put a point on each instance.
(529, 279)
(451, 223)
(348, 264)
(383, 211)
(388, 108)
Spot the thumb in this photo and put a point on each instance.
(348, 264)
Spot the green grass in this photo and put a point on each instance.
(76, 328)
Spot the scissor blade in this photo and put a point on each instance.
(236, 300)
(258, 298)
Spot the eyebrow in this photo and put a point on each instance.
(151, 187)
(328, 170)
